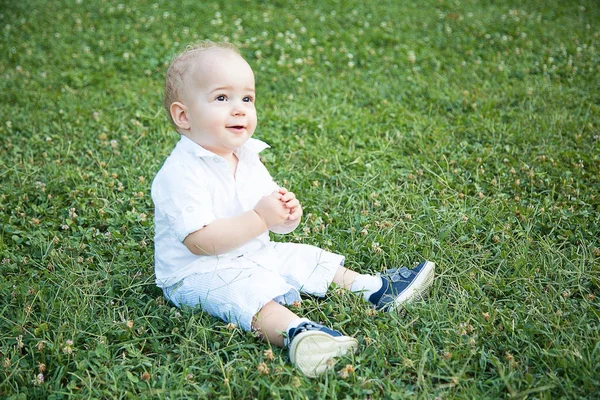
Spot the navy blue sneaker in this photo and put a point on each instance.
(313, 347)
(402, 285)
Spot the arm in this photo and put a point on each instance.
(295, 212)
(226, 234)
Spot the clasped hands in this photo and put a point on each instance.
(280, 208)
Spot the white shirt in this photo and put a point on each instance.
(195, 187)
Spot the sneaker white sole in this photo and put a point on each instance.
(419, 287)
(312, 352)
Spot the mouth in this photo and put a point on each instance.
(236, 128)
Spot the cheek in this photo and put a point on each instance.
(213, 119)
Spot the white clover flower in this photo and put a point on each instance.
(39, 379)
(412, 57)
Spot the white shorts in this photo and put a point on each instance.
(239, 291)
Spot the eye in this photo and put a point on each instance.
(221, 97)
(248, 99)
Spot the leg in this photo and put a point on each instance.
(272, 321)
(311, 346)
(312, 269)
(237, 296)
(345, 277)
(400, 285)
(403, 285)
(366, 285)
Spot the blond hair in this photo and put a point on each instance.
(174, 82)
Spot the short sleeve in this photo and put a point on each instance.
(183, 200)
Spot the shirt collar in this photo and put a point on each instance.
(251, 147)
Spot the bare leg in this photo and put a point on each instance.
(272, 321)
(345, 277)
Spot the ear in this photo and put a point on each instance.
(179, 115)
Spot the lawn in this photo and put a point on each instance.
(464, 132)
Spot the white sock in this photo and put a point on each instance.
(367, 285)
(294, 324)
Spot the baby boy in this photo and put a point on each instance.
(215, 204)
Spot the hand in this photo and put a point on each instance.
(291, 203)
(272, 210)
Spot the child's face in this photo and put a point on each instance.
(219, 102)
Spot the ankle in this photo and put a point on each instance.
(367, 285)
(290, 330)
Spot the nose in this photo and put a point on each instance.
(238, 108)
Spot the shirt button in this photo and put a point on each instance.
(189, 209)
(217, 160)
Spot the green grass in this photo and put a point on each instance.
(462, 132)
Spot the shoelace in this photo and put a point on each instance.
(311, 326)
(303, 327)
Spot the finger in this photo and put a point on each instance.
(295, 214)
(292, 203)
(282, 190)
(288, 196)
(285, 215)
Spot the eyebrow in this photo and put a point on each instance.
(220, 88)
